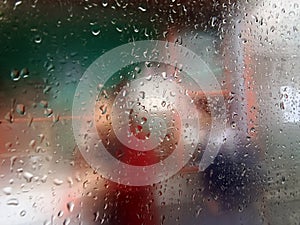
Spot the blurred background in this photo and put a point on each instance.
(251, 46)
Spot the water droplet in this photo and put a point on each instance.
(213, 21)
(142, 9)
(244, 40)
(241, 208)
(104, 4)
(55, 118)
(143, 120)
(136, 30)
(96, 215)
(13, 202)
(39, 149)
(120, 30)
(124, 93)
(292, 13)
(44, 103)
(44, 178)
(49, 66)
(272, 29)
(20, 108)
(67, 221)
(163, 103)
(95, 31)
(148, 78)
(103, 109)
(164, 75)
(57, 181)
(47, 222)
(28, 176)
(15, 75)
(47, 89)
(281, 105)
(32, 143)
(198, 211)
(283, 179)
(8, 145)
(70, 206)
(23, 213)
(12, 162)
(37, 39)
(48, 112)
(7, 190)
(24, 72)
(60, 213)
(142, 94)
(172, 93)
(70, 181)
(17, 3)
(8, 117)
(137, 69)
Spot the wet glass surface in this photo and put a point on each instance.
(149, 112)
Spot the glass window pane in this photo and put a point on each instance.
(149, 112)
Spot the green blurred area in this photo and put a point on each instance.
(58, 40)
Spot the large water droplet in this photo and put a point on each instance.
(95, 31)
(15, 75)
(17, 3)
(104, 4)
(24, 72)
(70, 206)
(13, 202)
(142, 9)
(28, 176)
(96, 215)
(67, 221)
(37, 39)
(57, 181)
(60, 213)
